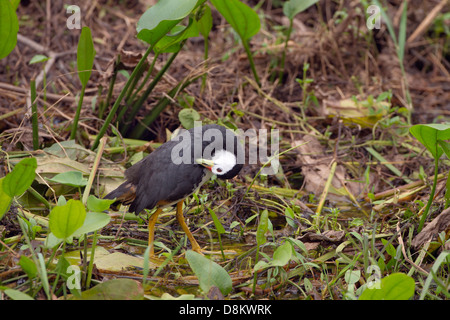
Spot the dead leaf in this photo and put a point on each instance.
(316, 170)
(430, 232)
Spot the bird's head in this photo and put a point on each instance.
(223, 164)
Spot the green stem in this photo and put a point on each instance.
(205, 57)
(137, 105)
(162, 104)
(110, 89)
(91, 260)
(430, 200)
(73, 133)
(34, 116)
(283, 57)
(119, 100)
(250, 59)
(147, 76)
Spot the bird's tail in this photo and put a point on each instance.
(124, 194)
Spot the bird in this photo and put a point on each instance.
(177, 169)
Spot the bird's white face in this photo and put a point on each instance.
(223, 161)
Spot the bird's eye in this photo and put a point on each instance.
(219, 170)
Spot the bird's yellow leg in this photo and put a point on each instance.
(151, 230)
(180, 218)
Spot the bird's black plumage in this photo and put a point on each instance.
(158, 180)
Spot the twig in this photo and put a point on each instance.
(400, 241)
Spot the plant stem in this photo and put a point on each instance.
(91, 260)
(250, 59)
(110, 89)
(34, 116)
(205, 57)
(430, 200)
(73, 133)
(94, 170)
(138, 104)
(283, 57)
(119, 100)
(162, 104)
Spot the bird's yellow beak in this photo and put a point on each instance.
(205, 162)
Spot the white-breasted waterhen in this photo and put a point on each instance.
(176, 170)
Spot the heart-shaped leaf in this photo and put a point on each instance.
(241, 17)
(159, 19)
(209, 273)
(20, 178)
(397, 286)
(92, 222)
(293, 7)
(71, 178)
(430, 134)
(65, 220)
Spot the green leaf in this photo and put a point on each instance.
(218, 225)
(187, 118)
(293, 7)
(209, 273)
(352, 276)
(445, 146)
(98, 205)
(116, 289)
(92, 222)
(171, 42)
(262, 228)
(159, 19)
(65, 220)
(282, 255)
(85, 55)
(397, 286)
(38, 58)
(241, 17)
(205, 21)
(16, 294)
(5, 200)
(9, 26)
(402, 33)
(70, 178)
(289, 215)
(28, 266)
(20, 178)
(429, 134)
